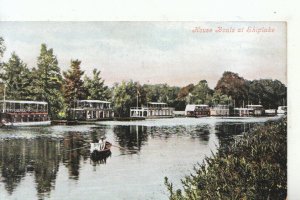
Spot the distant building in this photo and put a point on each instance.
(219, 110)
(152, 110)
(200, 110)
(91, 110)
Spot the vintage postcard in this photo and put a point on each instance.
(143, 110)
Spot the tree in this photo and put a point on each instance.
(2, 48)
(15, 76)
(269, 93)
(95, 87)
(47, 81)
(219, 98)
(73, 88)
(201, 93)
(234, 86)
(125, 96)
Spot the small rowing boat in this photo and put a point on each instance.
(100, 153)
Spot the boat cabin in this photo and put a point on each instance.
(219, 110)
(200, 110)
(152, 110)
(91, 110)
(24, 112)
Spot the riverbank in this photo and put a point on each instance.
(254, 166)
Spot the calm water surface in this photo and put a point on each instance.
(54, 162)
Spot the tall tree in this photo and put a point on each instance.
(201, 93)
(15, 75)
(2, 50)
(73, 88)
(47, 82)
(234, 86)
(95, 87)
(125, 96)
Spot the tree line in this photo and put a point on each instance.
(61, 89)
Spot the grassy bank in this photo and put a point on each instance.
(253, 167)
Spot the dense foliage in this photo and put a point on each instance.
(253, 167)
(45, 82)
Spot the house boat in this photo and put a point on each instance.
(250, 110)
(91, 110)
(152, 110)
(282, 110)
(219, 110)
(200, 110)
(24, 113)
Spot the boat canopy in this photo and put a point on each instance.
(254, 106)
(157, 103)
(93, 101)
(24, 102)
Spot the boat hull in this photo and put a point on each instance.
(21, 124)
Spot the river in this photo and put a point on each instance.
(54, 162)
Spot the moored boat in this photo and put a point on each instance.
(24, 113)
(99, 153)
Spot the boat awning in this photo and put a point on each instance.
(24, 102)
(94, 101)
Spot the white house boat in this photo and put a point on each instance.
(152, 110)
(250, 110)
(282, 110)
(24, 113)
(197, 110)
(92, 110)
(219, 110)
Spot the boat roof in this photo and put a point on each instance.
(94, 101)
(24, 102)
(160, 103)
(254, 105)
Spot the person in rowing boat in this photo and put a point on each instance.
(102, 143)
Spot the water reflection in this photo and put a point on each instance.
(41, 156)
(226, 132)
(130, 137)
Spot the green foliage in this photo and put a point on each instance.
(201, 93)
(73, 88)
(95, 87)
(254, 167)
(2, 48)
(163, 93)
(125, 96)
(16, 78)
(219, 98)
(269, 93)
(47, 81)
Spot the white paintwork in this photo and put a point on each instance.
(41, 123)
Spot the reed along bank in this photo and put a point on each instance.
(253, 166)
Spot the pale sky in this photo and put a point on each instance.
(154, 52)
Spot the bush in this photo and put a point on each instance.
(253, 167)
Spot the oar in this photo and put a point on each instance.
(122, 148)
(77, 148)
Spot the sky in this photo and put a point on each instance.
(155, 52)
